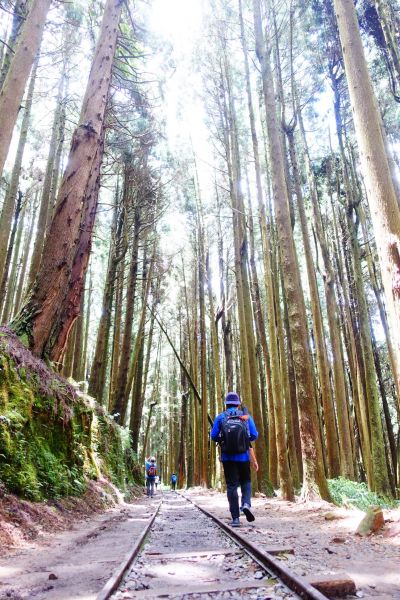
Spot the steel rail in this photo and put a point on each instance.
(113, 583)
(265, 559)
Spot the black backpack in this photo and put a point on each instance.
(234, 437)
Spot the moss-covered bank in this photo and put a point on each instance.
(53, 439)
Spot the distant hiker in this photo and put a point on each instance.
(234, 429)
(156, 482)
(151, 473)
(174, 479)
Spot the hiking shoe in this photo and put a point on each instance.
(235, 522)
(248, 513)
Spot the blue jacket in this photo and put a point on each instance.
(148, 464)
(253, 434)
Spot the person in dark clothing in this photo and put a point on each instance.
(173, 481)
(236, 465)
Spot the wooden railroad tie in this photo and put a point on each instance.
(332, 585)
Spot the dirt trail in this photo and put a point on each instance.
(320, 545)
(84, 557)
(186, 555)
(75, 563)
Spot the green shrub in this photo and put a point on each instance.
(353, 494)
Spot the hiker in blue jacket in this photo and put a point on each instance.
(174, 479)
(151, 473)
(234, 429)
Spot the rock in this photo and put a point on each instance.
(331, 516)
(53, 576)
(338, 540)
(371, 522)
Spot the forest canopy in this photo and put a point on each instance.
(202, 197)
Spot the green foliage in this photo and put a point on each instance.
(49, 448)
(354, 494)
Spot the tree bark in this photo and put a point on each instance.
(375, 167)
(314, 482)
(38, 317)
(11, 194)
(19, 15)
(17, 75)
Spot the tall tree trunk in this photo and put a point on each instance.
(203, 355)
(78, 370)
(345, 447)
(319, 337)
(3, 283)
(116, 254)
(18, 72)
(374, 163)
(41, 312)
(314, 481)
(46, 191)
(121, 399)
(276, 444)
(116, 343)
(69, 311)
(12, 279)
(25, 256)
(19, 15)
(11, 194)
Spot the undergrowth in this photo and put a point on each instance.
(53, 440)
(353, 494)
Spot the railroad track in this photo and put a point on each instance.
(185, 552)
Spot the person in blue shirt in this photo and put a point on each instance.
(174, 479)
(236, 466)
(151, 473)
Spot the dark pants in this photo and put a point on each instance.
(173, 484)
(150, 481)
(237, 473)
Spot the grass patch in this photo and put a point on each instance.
(356, 495)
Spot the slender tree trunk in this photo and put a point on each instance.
(19, 15)
(88, 299)
(116, 344)
(12, 279)
(18, 72)
(314, 481)
(346, 461)
(25, 257)
(18, 208)
(11, 194)
(98, 371)
(45, 198)
(203, 355)
(121, 399)
(78, 372)
(319, 337)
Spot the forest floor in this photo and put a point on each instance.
(67, 550)
(323, 545)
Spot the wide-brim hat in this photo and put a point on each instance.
(232, 398)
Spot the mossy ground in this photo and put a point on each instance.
(52, 440)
